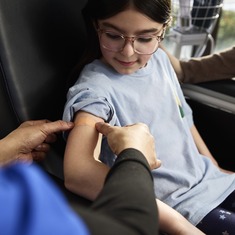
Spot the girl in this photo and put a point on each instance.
(127, 80)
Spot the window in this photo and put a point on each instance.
(226, 32)
(190, 34)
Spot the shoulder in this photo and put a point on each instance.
(93, 76)
(94, 80)
(163, 63)
(95, 73)
(161, 54)
(161, 58)
(94, 68)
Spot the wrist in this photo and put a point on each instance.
(7, 151)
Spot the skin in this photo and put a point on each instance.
(139, 137)
(127, 61)
(84, 173)
(30, 141)
(135, 136)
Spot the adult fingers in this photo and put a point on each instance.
(155, 164)
(51, 138)
(34, 122)
(103, 128)
(38, 156)
(44, 147)
(56, 126)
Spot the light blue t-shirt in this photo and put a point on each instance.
(187, 181)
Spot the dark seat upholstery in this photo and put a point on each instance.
(40, 41)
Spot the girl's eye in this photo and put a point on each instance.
(113, 36)
(144, 39)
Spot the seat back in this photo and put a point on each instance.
(40, 42)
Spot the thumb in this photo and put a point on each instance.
(103, 128)
(57, 126)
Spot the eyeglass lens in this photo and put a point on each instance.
(143, 44)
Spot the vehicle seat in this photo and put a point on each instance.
(40, 42)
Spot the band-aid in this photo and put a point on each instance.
(85, 121)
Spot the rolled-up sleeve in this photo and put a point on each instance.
(86, 99)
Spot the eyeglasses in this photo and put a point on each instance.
(142, 44)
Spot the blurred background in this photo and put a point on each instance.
(200, 27)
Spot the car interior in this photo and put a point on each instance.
(213, 103)
(41, 41)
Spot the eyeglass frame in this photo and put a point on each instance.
(132, 39)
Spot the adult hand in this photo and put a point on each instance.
(30, 141)
(135, 136)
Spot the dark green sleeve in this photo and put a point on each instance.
(127, 203)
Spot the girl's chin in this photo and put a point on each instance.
(125, 70)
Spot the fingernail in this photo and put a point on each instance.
(97, 125)
(70, 124)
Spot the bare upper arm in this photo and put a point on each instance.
(84, 174)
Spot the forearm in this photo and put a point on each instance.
(7, 153)
(88, 180)
(172, 222)
(201, 146)
(128, 195)
(209, 68)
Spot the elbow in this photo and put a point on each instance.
(68, 183)
(80, 187)
(72, 186)
(73, 183)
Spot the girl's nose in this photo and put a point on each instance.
(128, 49)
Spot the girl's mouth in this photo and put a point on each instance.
(126, 64)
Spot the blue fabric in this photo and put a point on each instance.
(31, 205)
(187, 181)
(220, 220)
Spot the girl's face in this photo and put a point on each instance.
(129, 23)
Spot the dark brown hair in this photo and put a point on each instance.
(94, 10)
